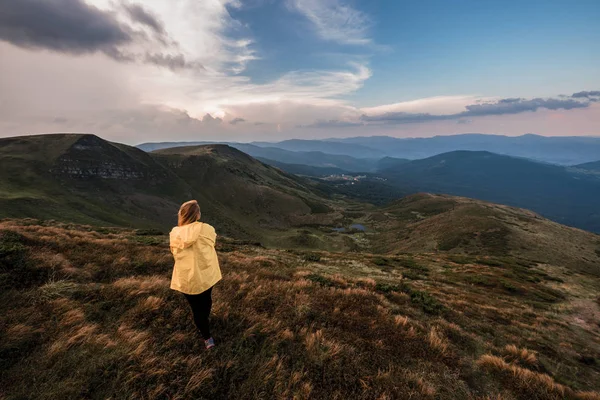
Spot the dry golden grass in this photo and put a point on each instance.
(340, 328)
(522, 355)
(530, 383)
(437, 341)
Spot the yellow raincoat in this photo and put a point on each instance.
(196, 264)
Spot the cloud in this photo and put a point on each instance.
(69, 26)
(515, 106)
(332, 123)
(209, 119)
(481, 109)
(237, 121)
(591, 95)
(76, 27)
(173, 62)
(433, 105)
(135, 70)
(335, 21)
(139, 14)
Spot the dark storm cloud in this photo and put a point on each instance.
(75, 27)
(237, 121)
(515, 106)
(500, 107)
(139, 14)
(510, 100)
(69, 26)
(591, 95)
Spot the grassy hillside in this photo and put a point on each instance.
(471, 228)
(89, 314)
(558, 193)
(260, 200)
(84, 179)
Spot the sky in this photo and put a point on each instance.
(162, 70)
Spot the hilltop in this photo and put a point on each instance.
(273, 155)
(83, 178)
(425, 223)
(260, 199)
(88, 312)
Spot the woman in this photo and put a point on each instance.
(196, 267)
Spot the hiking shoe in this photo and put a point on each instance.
(209, 343)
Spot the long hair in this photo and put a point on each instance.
(188, 212)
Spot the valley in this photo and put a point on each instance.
(523, 171)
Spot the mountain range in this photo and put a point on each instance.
(556, 150)
(559, 193)
(86, 179)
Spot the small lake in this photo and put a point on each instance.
(353, 227)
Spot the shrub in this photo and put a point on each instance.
(509, 286)
(428, 303)
(312, 257)
(415, 276)
(460, 259)
(321, 280)
(16, 272)
(149, 240)
(481, 280)
(388, 288)
(490, 262)
(149, 232)
(12, 251)
(381, 261)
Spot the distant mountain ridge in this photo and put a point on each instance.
(311, 158)
(554, 191)
(85, 179)
(591, 166)
(556, 150)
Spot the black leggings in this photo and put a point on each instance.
(201, 305)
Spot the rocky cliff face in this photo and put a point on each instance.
(92, 157)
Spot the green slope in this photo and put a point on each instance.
(556, 192)
(84, 179)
